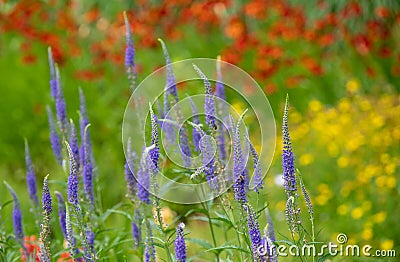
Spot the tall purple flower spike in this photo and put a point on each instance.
(239, 172)
(73, 182)
(155, 152)
(170, 86)
(129, 176)
(220, 93)
(61, 108)
(143, 177)
(54, 137)
(53, 77)
(16, 216)
(130, 55)
(88, 168)
(208, 157)
(62, 213)
(180, 246)
(257, 175)
(209, 104)
(287, 155)
(73, 142)
(196, 120)
(30, 176)
(254, 231)
(83, 123)
(47, 204)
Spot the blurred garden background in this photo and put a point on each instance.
(338, 60)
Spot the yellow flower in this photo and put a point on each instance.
(379, 217)
(333, 149)
(321, 200)
(344, 105)
(281, 205)
(352, 86)
(343, 162)
(315, 105)
(391, 182)
(380, 181)
(390, 168)
(342, 209)
(387, 244)
(357, 213)
(306, 159)
(367, 234)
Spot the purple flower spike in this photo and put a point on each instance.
(16, 216)
(54, 137)
(144, 177)
(136, 234)
(62, 213)
(46, 198)
(88, 169)
(155, 152)
(73, 178)
(287, 155)
(209, 105)
(147, 253)
(30, 176)
(73, 141)
(239, 172)
(180, 247)
(170, 86)
(219, 86)
(83, 123)
(257, 177)
(254, 231)
(129, 177)
(53, 78)
(61, 110)
(129, 55)
(196, 120)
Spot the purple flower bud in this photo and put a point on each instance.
(129, 177)
(196, 120)
(209, 104)
(73, 178)
(287, 155)
(54, 137)
(239, 174)
(254, 231)
(73, 141)
(219, 86)
(16, 216)
(170, 86)
(88, 170)
(180, 247)
(53, 78)
(61, 110)
(155, 152)
(147, 253)
(144, 177)
(90, 241)
(30, 176)
(46, 198)
(136, 234)
(257, 177)
(129, 55)
(62, 213)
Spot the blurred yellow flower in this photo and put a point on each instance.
(342, 209)
(280, 205)
(333, 149)
(379, 217)
(391, 182)
(343, 162)
(306, 159)
(380, 181)
(367, 234)
(357, 213)
(352, 85)
(344, 105)
(315, 105)
(387, 244)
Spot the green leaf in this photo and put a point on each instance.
(227, 247)
(201, 242)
